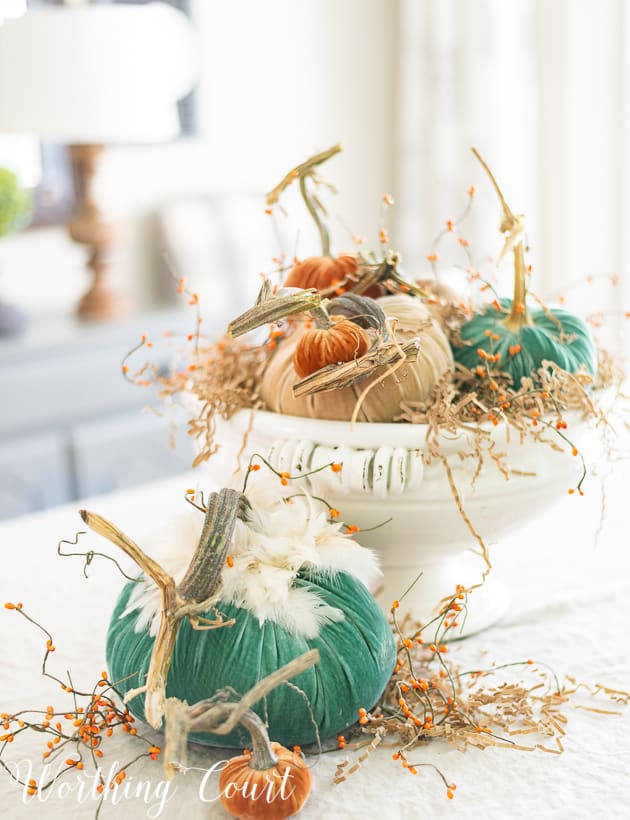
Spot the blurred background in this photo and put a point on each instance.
(149, 134)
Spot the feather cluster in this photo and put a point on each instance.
(281, 536)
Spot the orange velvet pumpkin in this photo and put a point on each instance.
(321, 272)
(272, 793)
(343, 341)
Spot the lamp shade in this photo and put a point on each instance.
(96, 74)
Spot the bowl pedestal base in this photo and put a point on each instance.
(481, 608)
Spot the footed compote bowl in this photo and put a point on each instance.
(389, 476)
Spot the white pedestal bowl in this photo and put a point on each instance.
(387, 474)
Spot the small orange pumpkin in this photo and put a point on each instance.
(271, 783)
(322, 272)
(342, 341)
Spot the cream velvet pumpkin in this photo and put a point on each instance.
(414, 381)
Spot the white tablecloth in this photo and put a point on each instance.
(570, 610)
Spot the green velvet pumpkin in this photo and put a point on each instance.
(523, 351)
(525, 338)
(357, 658)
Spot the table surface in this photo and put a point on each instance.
(570, 585)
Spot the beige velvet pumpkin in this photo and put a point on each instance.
(414, 381)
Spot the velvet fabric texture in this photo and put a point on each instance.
(555, 335)
(414, 381)
(357, 658)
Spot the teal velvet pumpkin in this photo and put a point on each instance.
(357, 658)
(537, 341)
(526, 338)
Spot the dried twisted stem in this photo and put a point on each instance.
(386, 273)
(513, 226)
(196, 594)
(218, 716)
(302, 172)
(337, 376)
(270, 308)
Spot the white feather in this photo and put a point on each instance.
(278, 539)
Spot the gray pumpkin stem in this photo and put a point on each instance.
(321, 317)
(263, 757)
(204, 571)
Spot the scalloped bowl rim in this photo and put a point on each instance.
(363, 434)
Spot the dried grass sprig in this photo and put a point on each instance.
(225, 379)
(430, 697)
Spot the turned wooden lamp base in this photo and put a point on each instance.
(101, 302)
